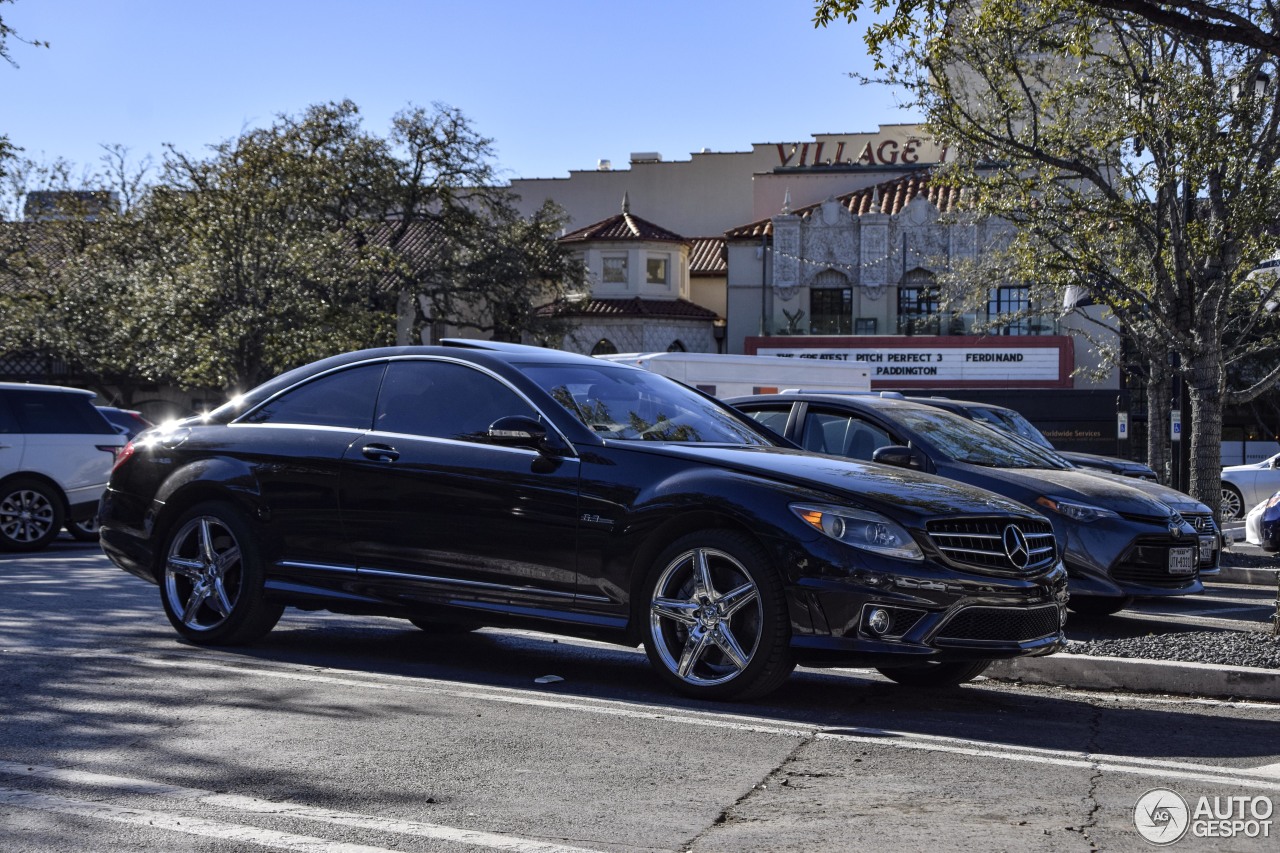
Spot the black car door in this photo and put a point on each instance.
(434, 512)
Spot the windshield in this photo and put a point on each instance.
(1011, 421)
(636, 405)
(968, 441)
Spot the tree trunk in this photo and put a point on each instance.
(1158, 456)
(1204, 386)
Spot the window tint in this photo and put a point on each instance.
(774, 419)
(8, 423)
(51, 412)
(444, 400)
(343, 399)
(843, 435)
(636, 405)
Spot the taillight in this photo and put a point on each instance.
(122, 456)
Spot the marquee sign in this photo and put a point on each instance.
(938, 362)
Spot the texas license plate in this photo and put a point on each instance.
(1182, 561)
(1208, 544)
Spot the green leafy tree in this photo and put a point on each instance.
(1125, 167)
(1248, 23)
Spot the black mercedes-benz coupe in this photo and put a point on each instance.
(478, 484)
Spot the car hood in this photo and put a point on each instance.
(1180, 501)
(1113, 463)
(1252, 466)
(1027, 484)
(897, 491)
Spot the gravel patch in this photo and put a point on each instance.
(1224, 648)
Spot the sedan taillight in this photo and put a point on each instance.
(122, 454)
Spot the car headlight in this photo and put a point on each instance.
(860, 528)
(1075, 509)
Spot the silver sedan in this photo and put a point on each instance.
(1245, 486)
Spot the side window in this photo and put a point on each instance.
(441, 399)
(55, 413)
(8, 423)
(343, 399)
(843, 435)
(774, 419)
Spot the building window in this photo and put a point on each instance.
(1008, 309)
(615, 269)
(604, 346)
(831, 311)
(656, 270)
(864, 326)
(918, 304)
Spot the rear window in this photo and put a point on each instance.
(53, 413)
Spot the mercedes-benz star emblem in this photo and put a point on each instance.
(1015, 545)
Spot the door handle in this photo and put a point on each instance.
(380, 452)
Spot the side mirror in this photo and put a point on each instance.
(523, 431)
(899, 456)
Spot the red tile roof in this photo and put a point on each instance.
(624, 226)
(706, 257)
(892, 196)
(679, 309)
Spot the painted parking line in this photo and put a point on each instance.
(123, 785)
(175, 823)
(1159, 768)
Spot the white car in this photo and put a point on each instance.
(1246, 486)
(56, 454)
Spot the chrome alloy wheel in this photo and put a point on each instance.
(702, 635)
(26, 516)
(203, 573)
(1232, 504)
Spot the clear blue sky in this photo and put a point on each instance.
(557, 84)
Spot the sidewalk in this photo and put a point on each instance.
(1243, 564)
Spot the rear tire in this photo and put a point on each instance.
(1098, 605)
(935, 673)
(211, 582)
(31, 515)
(715, 621)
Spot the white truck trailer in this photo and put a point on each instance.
(737, 375)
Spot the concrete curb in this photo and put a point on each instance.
(1253, 577)
(1141, 675)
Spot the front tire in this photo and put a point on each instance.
(85, 530)
(31, 515)
(212, 581)
(1231, 506)
(935, 673)
(716, 625)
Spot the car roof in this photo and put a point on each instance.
(485, 353)
(28, 386)
(850, 400)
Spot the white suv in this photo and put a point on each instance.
(56, 453)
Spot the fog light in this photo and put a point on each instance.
(878, 621)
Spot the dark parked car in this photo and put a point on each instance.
(479, 484)
(1118, 542)
(1010, 420)
(127, 421)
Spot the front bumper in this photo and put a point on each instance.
(931, 612)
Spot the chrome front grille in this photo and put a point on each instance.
(995, 545)
(1203, 523)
